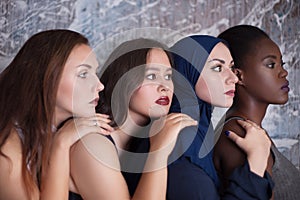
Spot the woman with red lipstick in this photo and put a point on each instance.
(262, 81)
(51, 79)
(137, 97)
(206, 63)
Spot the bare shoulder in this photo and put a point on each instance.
(227, 155)
(95, 169)
(11, 169)
(12, 148)
(96, 147)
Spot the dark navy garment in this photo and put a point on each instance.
(191, 174)
(196, 143)
(188, 181)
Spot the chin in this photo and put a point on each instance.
(225, 104)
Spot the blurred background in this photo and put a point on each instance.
(108, 22)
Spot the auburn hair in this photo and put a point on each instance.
(28, 88)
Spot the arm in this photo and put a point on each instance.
(187, 180)
(103, 172)
(95, 169)
(251, 179)
(55, 176)
(153, 183)
(11, 181)
(227, 155)
(256, 144)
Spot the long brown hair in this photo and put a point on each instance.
(128, 56)
(28, 88)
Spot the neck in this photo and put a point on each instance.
(248, 108)
(126, 131)
(60, 117)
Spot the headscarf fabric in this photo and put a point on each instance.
(196, 143)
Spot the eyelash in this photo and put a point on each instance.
(153, 77)
(272, 65)
(168, 77)
(217, 68)
(83, 74)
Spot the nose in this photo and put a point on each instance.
(283, 73)
(231, 77)
(99, 86)
(163, 87)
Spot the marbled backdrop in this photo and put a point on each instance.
(107, 22)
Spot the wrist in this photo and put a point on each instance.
(257, 165)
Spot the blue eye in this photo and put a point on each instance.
(151, 76)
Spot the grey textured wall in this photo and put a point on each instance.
(101, 20)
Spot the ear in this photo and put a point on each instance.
(240, 75)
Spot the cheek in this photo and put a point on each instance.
(65, 90)
(202, 90)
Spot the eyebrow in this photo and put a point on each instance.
(85, 65)
(156, 69)
(270, 56)
(89, 66)
(219, 60)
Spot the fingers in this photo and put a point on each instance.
(98, 123)
(247, 124)
(234, 137)
(102, 124)
(180, 117)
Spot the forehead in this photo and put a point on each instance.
(265, 47)
(82, 54)
(220, 50)
(158, 56)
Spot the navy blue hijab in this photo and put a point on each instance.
(196, 143)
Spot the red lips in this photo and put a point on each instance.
(163, 101)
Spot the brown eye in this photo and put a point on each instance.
(217, 68)
(271, 65)
(168, 77)
(151, 77)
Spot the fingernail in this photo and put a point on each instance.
(227, 133)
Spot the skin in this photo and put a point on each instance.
(78, 88)
(80, 85)
(216, 85)
(158, 83)
(260, 84)
(102, 158)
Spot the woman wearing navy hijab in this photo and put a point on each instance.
(205, 80)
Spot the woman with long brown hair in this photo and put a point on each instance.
(137, 97)
(51, 79)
